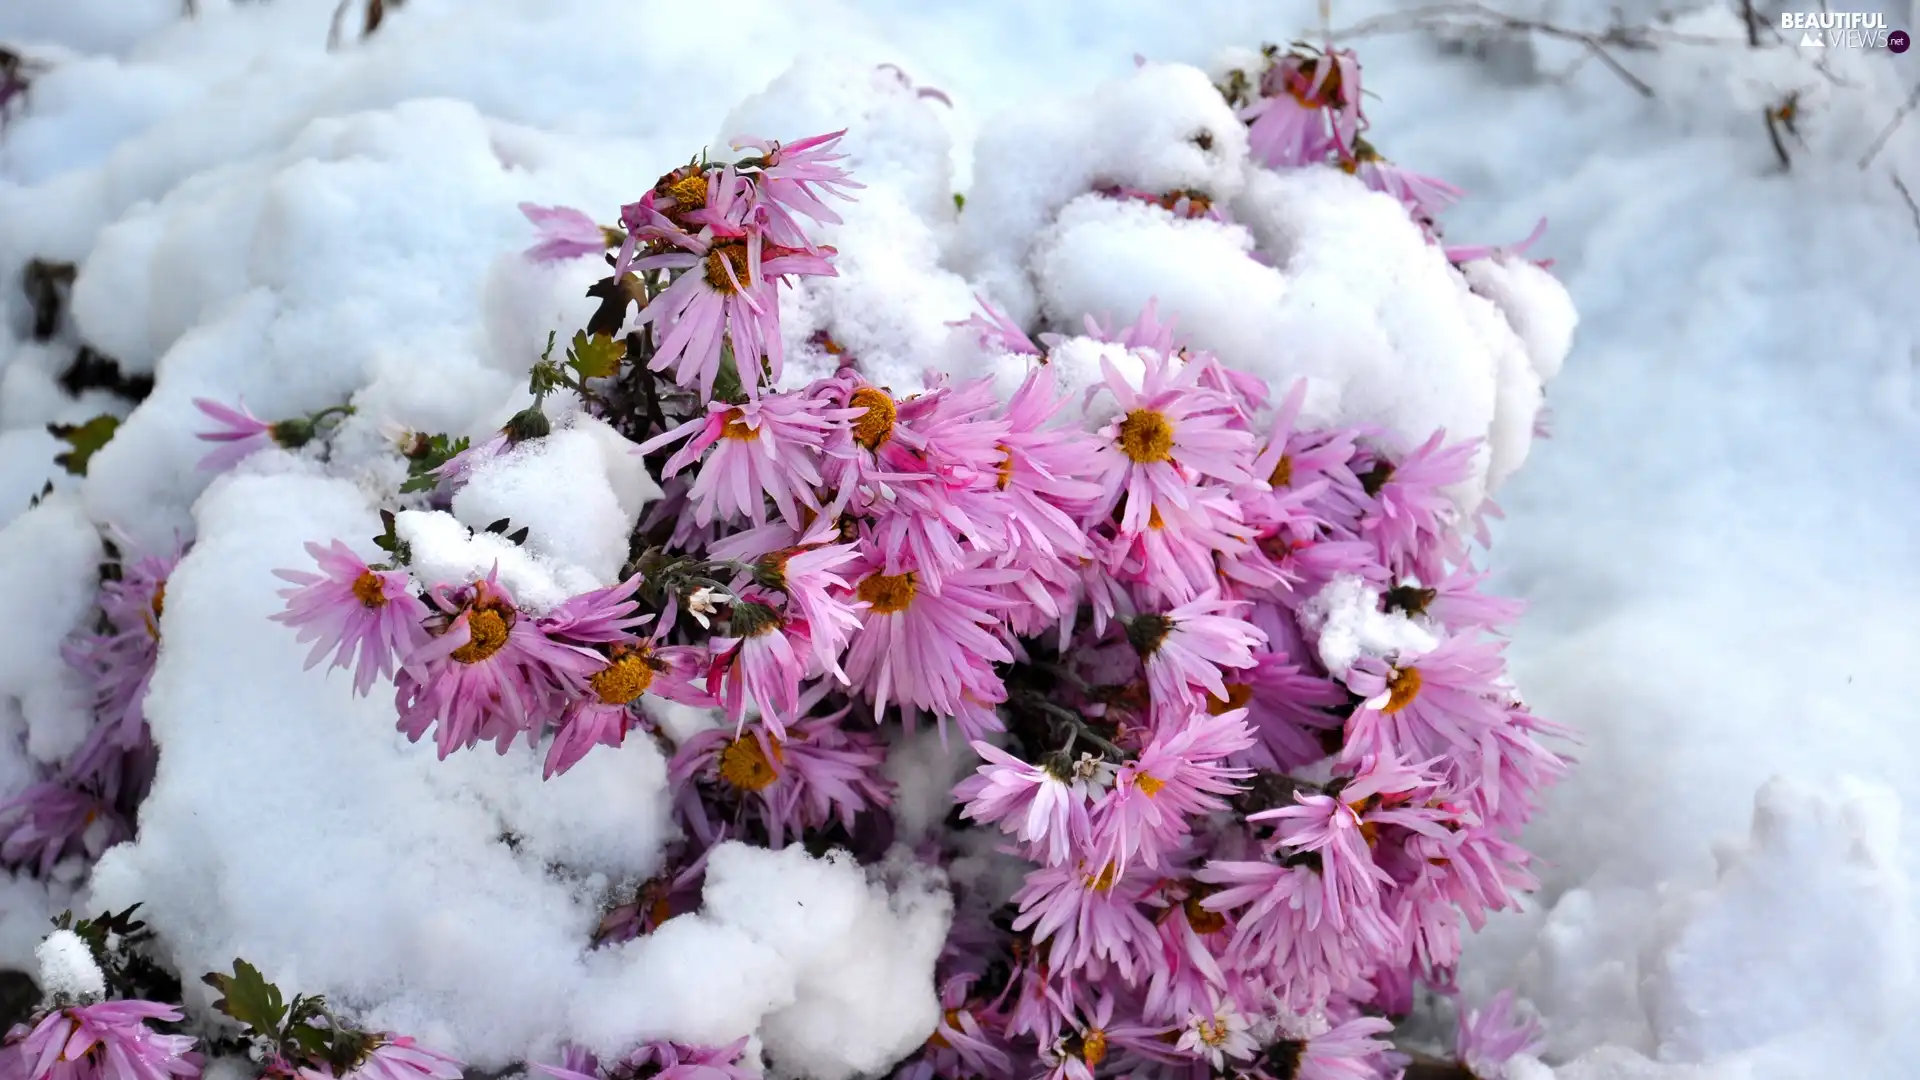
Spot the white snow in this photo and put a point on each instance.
(67, 968)
(1346, 623)
(833, 965)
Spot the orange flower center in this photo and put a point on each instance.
(875, 426)
(736, 427)
(1093, 1047)
(744, 764)
(1202, 919)
(486, 635)
(1282, 472)
(1149, 784)
(370, 590)
(727, 255)
(1006, 466)
(888, 594)
(688, 192)
(1146, 436)
(625, 678)
(1238, 694)
(1402, 688)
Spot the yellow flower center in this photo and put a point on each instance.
(1402, 688)
(625, 678)
(720, 258)
(487, 634)
(370, 590)
(1146, 436)
(1238, 694)
(1203, 920)
(744, 764)
(1149, 784)
(1282, 472)
(1212, 1032)
(875, 426)
(888, 594)
(736, 427)
(688, 192)
(1093, 1047)
(1103, 882)
(1006, 466)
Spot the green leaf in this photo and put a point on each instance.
(428, 453)
(959, 201)
(248, 997)
(596, 357)
(85, 439)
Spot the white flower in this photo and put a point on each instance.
(703, 602)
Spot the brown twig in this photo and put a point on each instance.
(1899, 117)
(1906, 196)
(1479, 16)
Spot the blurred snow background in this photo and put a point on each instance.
(1718, 543)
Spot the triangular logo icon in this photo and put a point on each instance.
(1811, 40)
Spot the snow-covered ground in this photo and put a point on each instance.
(1718, 542)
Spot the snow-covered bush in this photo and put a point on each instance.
(1027, 633)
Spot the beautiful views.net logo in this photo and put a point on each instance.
(1843, 30)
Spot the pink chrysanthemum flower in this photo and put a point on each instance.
(1044, 806)
(109, 1040)
(923, 649)
(1043, 472)
(1089, 916)
(240, 434)
(793, 176)
(926, 469)
(1493, 1035)
(725, 293)
(1342, 830)
(1411, 517)
(1290, 711)
(393, 1057)
(1424, 196)
(1309, 104)
(604, 715)
(760, 662)
(1084, 1039)
(368, 619)
(1470, 252)
(1283, 931)
(489, 671)
(1352, 1050)
(1443, 704)
(1169, 433)
(997, 331)
(52, 821)
(818, 773)
(120, 661)
(763, 449)
(1178, 557)
(961, 1044)
(1181, 773)
(566, 233)
(1193, 941)
(805, 573)
(1185, 649)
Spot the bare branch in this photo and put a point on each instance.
(1913, 209)
(1899, 117)
(1599, 45)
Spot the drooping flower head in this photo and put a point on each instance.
(108, 1040)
